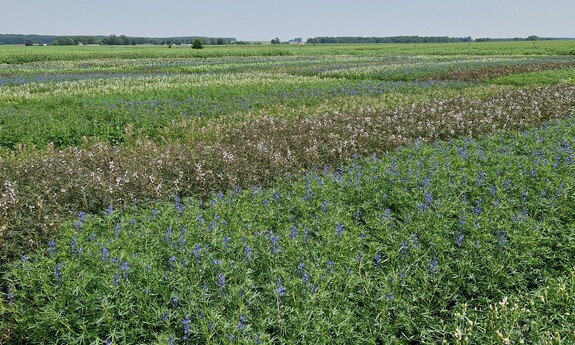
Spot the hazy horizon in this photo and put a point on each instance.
(260, 20)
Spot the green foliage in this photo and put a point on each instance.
(566, 75)
(407, 248)
(41, 186)
(15, 55)
(97, 99)
(466, 241)
(197, 44)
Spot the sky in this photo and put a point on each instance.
(263, 20)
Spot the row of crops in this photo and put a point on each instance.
(305, 194)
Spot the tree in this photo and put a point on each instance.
(276, 41)
(197, 44)
(113, 40)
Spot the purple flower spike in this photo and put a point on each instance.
(280, 291)
(339, 229)
(459, 239)
(221, 283)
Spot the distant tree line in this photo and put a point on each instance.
(114, 40)
(76, 40)
(109, 40)
(391, 39)
(530, 38)
(128, 40)
(418, 39)
(23, 39)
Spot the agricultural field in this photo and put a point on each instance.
(411, 194)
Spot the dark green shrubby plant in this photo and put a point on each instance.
(407, 248)
(197, 44)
